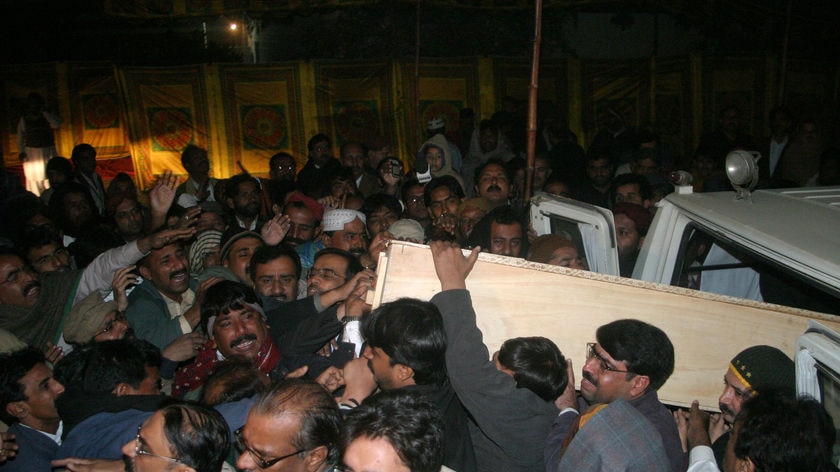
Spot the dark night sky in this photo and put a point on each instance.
(46, 30)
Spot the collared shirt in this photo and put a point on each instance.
(251, 227)
(55, 437)
(177, 310)
(776, 153)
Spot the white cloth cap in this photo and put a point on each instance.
(334, 220)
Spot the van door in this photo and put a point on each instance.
(591, 228)
(818, 367)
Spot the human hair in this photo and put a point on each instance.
(380, 200)
(101, 366)
(353, 264)
(57, 211)
(62, 165)
(191, 152)
(232, 380)
(493, 161)
(411, 332)
(318, 138)
(443, 181)
(37, 238)
(233, 183)
(317, 412)
(266, 254)
(226, 296)
(537, 365)
(352, 143)
(411, 424)
(13, 367)
(275, 159)
(198, 435)
(645, 190)
(485, 125)
(406, 185)
(502, 215)
(781, 433)
(645, 349)
(81, 151)
(114, 187)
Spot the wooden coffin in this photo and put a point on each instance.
(513, 297)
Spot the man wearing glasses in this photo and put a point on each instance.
(630, 361)
(182, 437)
(294, 426)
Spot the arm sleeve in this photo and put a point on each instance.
(99, 274)
(499, 408)
(554, 442)
(151, 321)
(702, 459)
(298, 328)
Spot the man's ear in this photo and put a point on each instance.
(315, 459)
(145, 272)
(326, 240)
(17, 409)
(745, 465)
(641, 241)
(639, 384)
(404, 372)
(123, 389)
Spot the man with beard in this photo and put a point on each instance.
(342, 229)
(629, 361)
(599, 174)
(166, 304)
(753, 371)
(305, 216)
(244, 197)
(492, 182)
(275, 272)
(238, 327)
(236, 253)
(127, 215)
(32, 307)
(442, 196)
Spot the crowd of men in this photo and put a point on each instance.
(221, 324)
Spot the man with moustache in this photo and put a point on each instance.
(275, 272)
(32, 306)
(165, 305)
(305, 215)
(276, 341)
(629, 361)
(331, 269)
(492, 182)
(342, 229)
(244, 198)
(751, 372)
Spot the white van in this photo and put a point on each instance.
(777, 246)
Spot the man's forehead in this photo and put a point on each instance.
(492, 169)
(628, 188)
(10, 262)
(278, 263)
(441, 193)
(507, 229)
(734, 381)
(233, 313)
(300, 213)
(331, 261)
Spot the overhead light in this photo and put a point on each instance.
(233, 26)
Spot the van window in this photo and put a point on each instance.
(570, 230)
(709, 263)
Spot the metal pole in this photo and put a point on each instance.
(783, 64)
(419, 113)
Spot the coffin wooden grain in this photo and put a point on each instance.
(513, 297)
